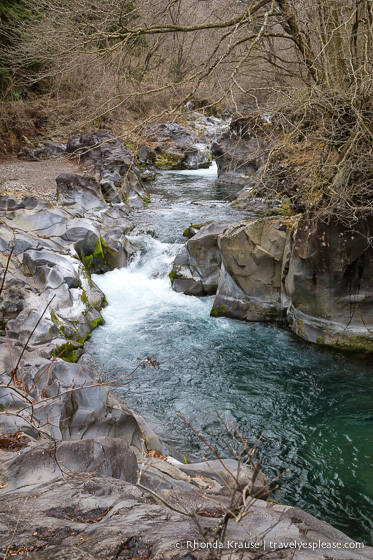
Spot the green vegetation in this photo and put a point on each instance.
(218, 311)
(174, 275)
(66, 352)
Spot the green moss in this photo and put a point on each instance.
(87, 261)
(66, 352)
(174, 275)
(167, 160)
(358, 343)
(99, 252)
(96, 322)
(217, 311)
(195, 226)
(320, 340)
(84, 297)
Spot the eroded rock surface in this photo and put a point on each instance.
(239, 152)
(113, 165)
(329, 283)
(88, 514)
(196, 268)
(315, 274)
(251, 279)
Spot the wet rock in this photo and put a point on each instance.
(251, 280)
(196, 268)
(101, 254)
(329, 283)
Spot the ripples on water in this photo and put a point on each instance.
(312, 405)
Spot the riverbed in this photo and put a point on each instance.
(311, 406)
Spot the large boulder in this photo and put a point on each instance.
(196, 268)
(240, 151)
(113, 165)
(251, 277)
(176, 147)
(329, 283)
(83, 190)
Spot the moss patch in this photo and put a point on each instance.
(66, 352)
(174, 275)
(358, 343)
(96, 322)
(218, 311)
(195, 226)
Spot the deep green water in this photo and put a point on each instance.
(314, 406)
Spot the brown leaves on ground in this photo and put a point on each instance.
(13, 442)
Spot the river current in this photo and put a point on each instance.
(312, 406)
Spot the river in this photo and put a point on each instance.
(312, 405)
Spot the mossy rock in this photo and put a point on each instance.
(218, 311)
(174, 276)
(66, 352)
(186, 233)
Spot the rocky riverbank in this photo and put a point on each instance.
(310, 271)
(71, 451)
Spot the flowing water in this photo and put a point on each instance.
(312, 405)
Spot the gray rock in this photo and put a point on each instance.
(50, 269)
(146, 155)
(100, 517)
(196, 268)
(329, 283)
(239, 152)
(113, 164)
(83, 190)
(71, 459)
(251, 276)
(49, 150)
(41, 222)
(232, 475)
